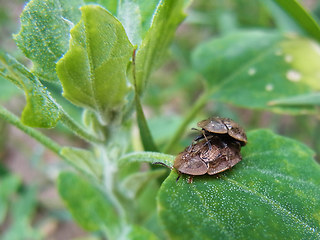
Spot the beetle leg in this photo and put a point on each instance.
(178, 177)
(190, 147)
(228, 158)
(190, 179)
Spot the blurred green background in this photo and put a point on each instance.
(28, 170)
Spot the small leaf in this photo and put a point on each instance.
(154, 46)
(44, 33)
(301, 17)
(274, 190)
(83, 160)
(41, 109)
(93, 71)
(252, 68)
(92, 209)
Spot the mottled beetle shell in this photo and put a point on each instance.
(210, 157)
(224, 126)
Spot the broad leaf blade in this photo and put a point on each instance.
(154, 46)
(252, 68)
(89, 207)
(41, 109)
(301, 17)
(44, 33)
(274, 190)
(93, 71)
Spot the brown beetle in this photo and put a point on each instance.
(211, 157)
(216, 150)
(217, 125)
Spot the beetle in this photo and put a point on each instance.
(216, 150)
(204, 158)
(223, 126)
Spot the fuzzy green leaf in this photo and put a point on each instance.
(93, 71)
(154, 46)
(41, 109)
(252, 68)
(273, 193)
(92, 209)
(44, 33)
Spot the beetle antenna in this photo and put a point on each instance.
(163, 164)
(196, 129)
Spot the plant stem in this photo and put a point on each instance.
(201, 101)
(145, 134)
(78, 130)
(146, 137)
(14, 120)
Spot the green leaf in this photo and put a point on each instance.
(140, 233)
(273, 193)
(41, 109)
(301, 17)
(9, 185)
(22, 210)
(83, 160)
(93, 71)
(304, 100)
(154, 46)
(92, 209)
(8, 90)
(252, 68)
(110, 5)
(136, 17)
(44, 33)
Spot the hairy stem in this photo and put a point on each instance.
(14, 120)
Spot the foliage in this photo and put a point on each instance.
(102, 55)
